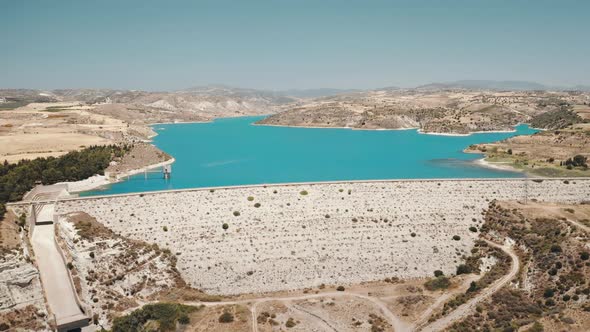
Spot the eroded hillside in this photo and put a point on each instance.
(551, 292)
(440, 111)
(22, 305)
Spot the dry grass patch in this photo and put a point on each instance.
(87, 226)
(210, 319)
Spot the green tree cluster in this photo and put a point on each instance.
(556, 119)
(577, 161)
(17, 179)
(165, 314)
(440, 282)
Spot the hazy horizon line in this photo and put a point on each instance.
(232, 86)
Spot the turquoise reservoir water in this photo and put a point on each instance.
(236, 152)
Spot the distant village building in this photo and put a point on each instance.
(2, 100)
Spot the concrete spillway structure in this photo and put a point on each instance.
(56, 281)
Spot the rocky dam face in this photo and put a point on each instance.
(281, 237)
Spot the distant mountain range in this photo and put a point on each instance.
(327, 92)
(277, 97)
(499, 85)
(581, 87)
(315, 93)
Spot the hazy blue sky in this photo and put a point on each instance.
(290, 44)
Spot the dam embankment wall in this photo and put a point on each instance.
(254, 239)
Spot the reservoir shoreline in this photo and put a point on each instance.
(418, 129)
(217, 160)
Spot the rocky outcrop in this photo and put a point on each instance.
(21, 297)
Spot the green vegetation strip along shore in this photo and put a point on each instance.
(17, 179)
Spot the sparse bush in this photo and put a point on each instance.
(463, 269)
(236, 213)
(257, 205)
(184, 319)
(549, 292)
(473, 229)
(584, 256)
(92, 254)
(438, 273)
(537, 327)
(303, 192)
(22, 220)
(225, 226)
(226, 317)
(440, 282)
(340, 288)
(165, 228)
(456, 237)
(290, 322)
(250, 198)
(577, 161)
